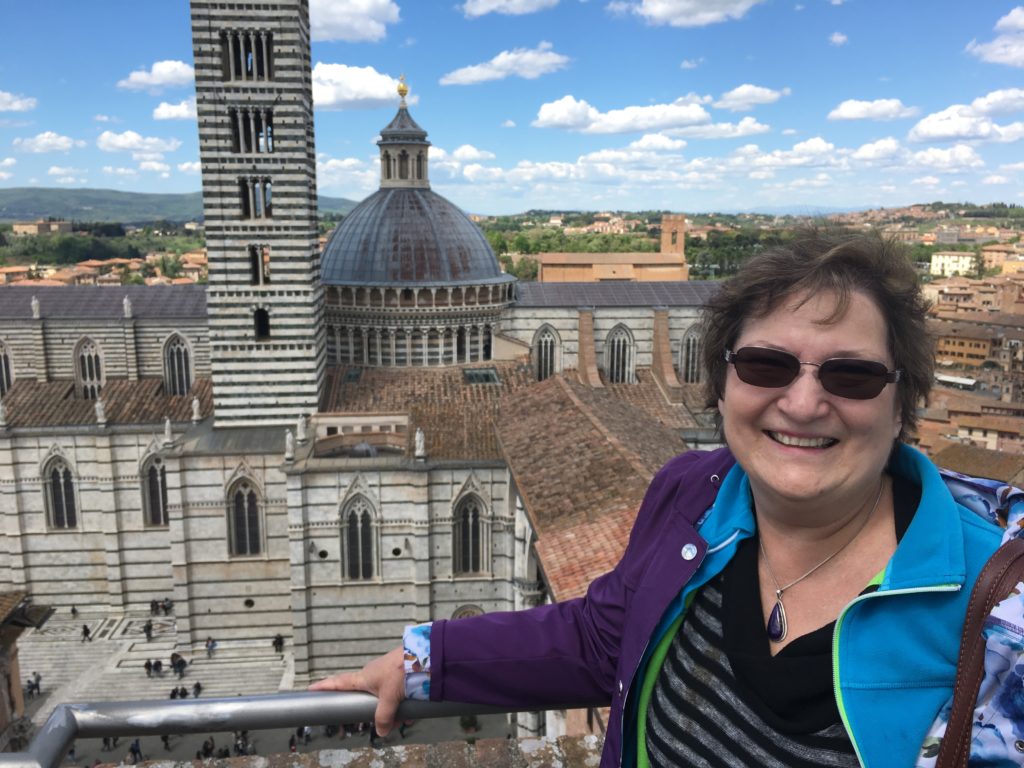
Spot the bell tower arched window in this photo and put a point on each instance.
(61, 504)
(359, 539)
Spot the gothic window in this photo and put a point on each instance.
(244, 519)
(689, 358)
(259, 264)
(59, 484)
(545, 352)
(385, 165)
(177, 366)
(6, 370)
(154, 492)
(467, 538)
(359, 539)
(88, 369)
(261, 324)
(618, 356)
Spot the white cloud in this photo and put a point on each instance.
(817, 181)
(1008, 47)
(339, 86)
(838, 38)
(111, 170)
(577, 115)
(348, 173)
(527, 63)
(103, 119)
(70, 180)
(789, 131)
(955, 158)
(8, 162)
(509, 124)
(876, 151)
(11, 103)
(765, 174)
(685, 13)
(60, 170)
(190, 167)
(48, 141)
(960, 121)
(154, 167)
(657, 142)
(879, 109)
(927, 181)
(745, 97)
(1012, 167)
(163, 74)
(1002, 102)
(4, 175)
(995, 179)
(474, 8)
(691, 63)
(748, 126)
(351, 20)
(183, 110)
(144, 147)
(468, 152)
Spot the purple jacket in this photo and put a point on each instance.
(586, 652)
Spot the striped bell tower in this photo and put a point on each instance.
(255, 110)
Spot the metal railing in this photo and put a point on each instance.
(240, 713)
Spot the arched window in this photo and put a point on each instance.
(689, 358)
(6, 370)
(403, 165)
(59, 484)
(89, 369)
(545, 352)
(618, 356)
(468, 536)
(177, 366)
(358, 539)
(244, 519)
(154, 492)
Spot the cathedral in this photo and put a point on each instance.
(330, 443)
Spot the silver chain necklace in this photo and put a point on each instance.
(777, 624)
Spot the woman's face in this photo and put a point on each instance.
(800, 443)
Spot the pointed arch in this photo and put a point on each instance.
(6, 369)
(153, 479)
(89, 376)
(619, 356)
(245, 517)
(177, 365)
(546, 351)
(360, 538)
(60, 495)
(690, 371)
(470, 536)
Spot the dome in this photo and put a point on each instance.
(408, 236)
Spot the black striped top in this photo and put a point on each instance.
(700, 715)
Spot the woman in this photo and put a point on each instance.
(794, 599)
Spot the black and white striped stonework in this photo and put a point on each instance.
(696, 717)
(255, 113)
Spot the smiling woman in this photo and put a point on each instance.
(737, 629)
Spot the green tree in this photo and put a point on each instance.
(497, 241)
(520, 244)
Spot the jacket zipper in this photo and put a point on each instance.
(835, 648)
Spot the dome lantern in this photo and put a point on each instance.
(403, 149)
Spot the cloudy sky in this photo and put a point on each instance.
(688, 105)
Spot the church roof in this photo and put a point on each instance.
(89, 302)
(403, 129)
(32, 403)
(405, 237)
(688, 293)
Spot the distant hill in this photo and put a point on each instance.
(31, 203)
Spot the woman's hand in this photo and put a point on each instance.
(384, 677)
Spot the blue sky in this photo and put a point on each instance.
(687, 105)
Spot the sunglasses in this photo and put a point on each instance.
(846, 377)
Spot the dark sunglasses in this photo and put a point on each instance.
(846, 377)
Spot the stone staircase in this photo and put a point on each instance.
(110, 667)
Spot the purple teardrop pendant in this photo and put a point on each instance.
(777, 622)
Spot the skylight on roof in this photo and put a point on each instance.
(480, 376)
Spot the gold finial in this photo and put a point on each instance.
(403, 89)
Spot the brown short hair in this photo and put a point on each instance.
(817, 260)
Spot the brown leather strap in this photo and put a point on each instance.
(1001, 573)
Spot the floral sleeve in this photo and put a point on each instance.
(416, 640)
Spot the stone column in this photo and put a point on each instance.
(253, 133)
(234, 44)
(266, 59)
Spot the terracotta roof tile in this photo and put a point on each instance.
(981, 462)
